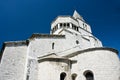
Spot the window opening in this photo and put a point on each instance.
(62, 76)
(64, 24)
(61, 24)
(77, 29)
(74, 76)
(68, 25)
(77, 42)
(89, 75)
(74, 27)
(53, 45)
(56, 26)
(83, 24)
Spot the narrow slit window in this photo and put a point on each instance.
(77, 28)
(53, 44)
(68, 25)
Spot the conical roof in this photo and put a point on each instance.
(76, 15)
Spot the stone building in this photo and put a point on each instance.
(69, 52)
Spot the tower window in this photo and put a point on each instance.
(74, 76)
(60, 25)
(57, 26)
(53, 45)
(77, 42)
(89, 75)
(77, 29)
(62, 76)
(73, 26)
(64, 24)
(68, 25)
(83, 24)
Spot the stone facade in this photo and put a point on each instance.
(69, 52)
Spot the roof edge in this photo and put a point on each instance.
(69, 17)
(91, 49)
(64, 17)
(16, 43)
(37, 35)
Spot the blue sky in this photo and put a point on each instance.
(20, 18)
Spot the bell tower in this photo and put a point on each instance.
(73, 23)
(78, 27)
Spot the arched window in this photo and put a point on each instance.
(53, 45)
(89, 75)
(74, 76)
(68, 25)
(62, 76)
(61, 24)
(77, 28)
(64, 24)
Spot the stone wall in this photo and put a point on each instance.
(51, 69)
(13, 63)
(103, 63)
(43, 44)
(32, 70)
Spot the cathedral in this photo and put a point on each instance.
(69, 52)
